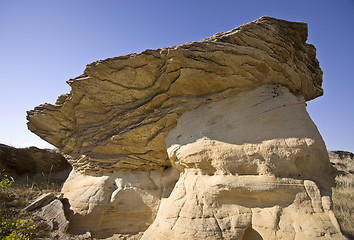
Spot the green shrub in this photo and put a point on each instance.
(5, 180)
(12, 229)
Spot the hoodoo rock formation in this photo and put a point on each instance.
(206, 140)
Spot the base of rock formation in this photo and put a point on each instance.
(121, 202)
(244, 208)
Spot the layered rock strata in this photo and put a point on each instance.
(225, 116)
(120, 109)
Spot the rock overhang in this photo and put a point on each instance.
(120, 109)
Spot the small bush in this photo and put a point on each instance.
(17, 228)
(5, 180)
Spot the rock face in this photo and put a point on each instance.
(54, 215)
(238, 183)
(118, 202)
(225, 116)
(343, 162)
(31, 160)
(120, 110)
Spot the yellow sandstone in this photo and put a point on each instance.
(206, 140)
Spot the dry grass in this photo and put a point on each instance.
(343, 205)
(343, 193)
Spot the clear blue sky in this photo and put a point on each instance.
(44, 43)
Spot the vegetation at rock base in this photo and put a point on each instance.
(343, 192)
(15, 194)
(343, 205)
(17, 228)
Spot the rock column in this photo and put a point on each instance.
(253, 166)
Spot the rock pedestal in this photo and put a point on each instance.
(252, 168)
(225, 116)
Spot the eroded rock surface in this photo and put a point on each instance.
(240, 183)
(120, 109)
(118, 202)
(225, 116)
